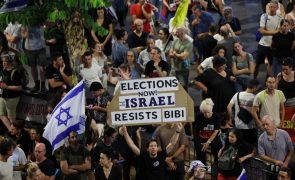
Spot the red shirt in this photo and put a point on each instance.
(136, 10)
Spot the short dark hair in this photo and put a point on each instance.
(269, 76)
(108, 152)
(218, 61)
(287, 62)
(95, 86)
(150, 141)
(18, 124)
(56, 55)
(87, 53)
(109, 131)
(119, 33)
(5, 145)
(217, 48)
(157, 49)
(253, 83)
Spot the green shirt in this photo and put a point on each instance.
(180, 47)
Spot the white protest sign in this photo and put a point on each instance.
(150, 101)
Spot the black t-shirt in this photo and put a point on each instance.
(15, 80)
(153, 168)
(220, 89)
(207, 44)
(53, 73)
(47, 167)
(204, 128)
(282, 44)
(115, 174)
(96, 153)
(150, 69)
(287, 87)
(135, 41)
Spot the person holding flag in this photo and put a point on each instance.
(66, 122)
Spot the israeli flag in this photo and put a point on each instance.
(67, 116)
(243, 175)
(13, 5)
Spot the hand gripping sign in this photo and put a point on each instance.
(150, 101)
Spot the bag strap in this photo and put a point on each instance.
(239, 104)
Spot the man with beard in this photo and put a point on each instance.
(269, 102)
(75, 159)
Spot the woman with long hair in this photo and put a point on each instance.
(135, 68)
(240, 152)
(242, 66)
(286, 82)
(105, 40)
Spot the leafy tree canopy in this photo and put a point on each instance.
(39, 11)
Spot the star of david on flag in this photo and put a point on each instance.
(67, 116)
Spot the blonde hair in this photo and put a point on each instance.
(32, 169)
(206, 104)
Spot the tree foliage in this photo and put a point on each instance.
(39, 11)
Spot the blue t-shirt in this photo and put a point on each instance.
(205, 21)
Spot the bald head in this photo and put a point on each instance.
(268, 124)
(224, 31)
(40, 146)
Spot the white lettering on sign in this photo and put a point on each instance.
(148, 116)
(138, 102)
(174, 114)
(140, 85)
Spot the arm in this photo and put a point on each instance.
(212, 137)
(109, 36)
(282, 112)
(53, 84)
(256, 118)
(204, 3)
(244, 158)
(82, 167)
(66, 169)
(129, 141)
(24, 32)
(268, 32)
(182, 56)
(201, 86)
(174, 140)
(111, 79)
(147, 15)
(94, 37)
(271, 160)
(10, 87)
(230, 112)
(288, 158)
(199, 69)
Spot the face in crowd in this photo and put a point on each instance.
(153, 148)
(271, 83)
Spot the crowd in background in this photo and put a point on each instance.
(238, 116)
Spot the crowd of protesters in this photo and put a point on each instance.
(238, 116)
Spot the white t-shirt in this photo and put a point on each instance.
(218, 37)
(246, 101)
(273, 23)
(18, 158)
(92, 74)
(160, 45)
(6, 170)
(207, 63)
(271, 105)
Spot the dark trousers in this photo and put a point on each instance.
(179, 173)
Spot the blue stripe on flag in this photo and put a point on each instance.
(74, 93)
(64, 134)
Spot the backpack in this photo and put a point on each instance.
(24, 75)
(227, 160)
